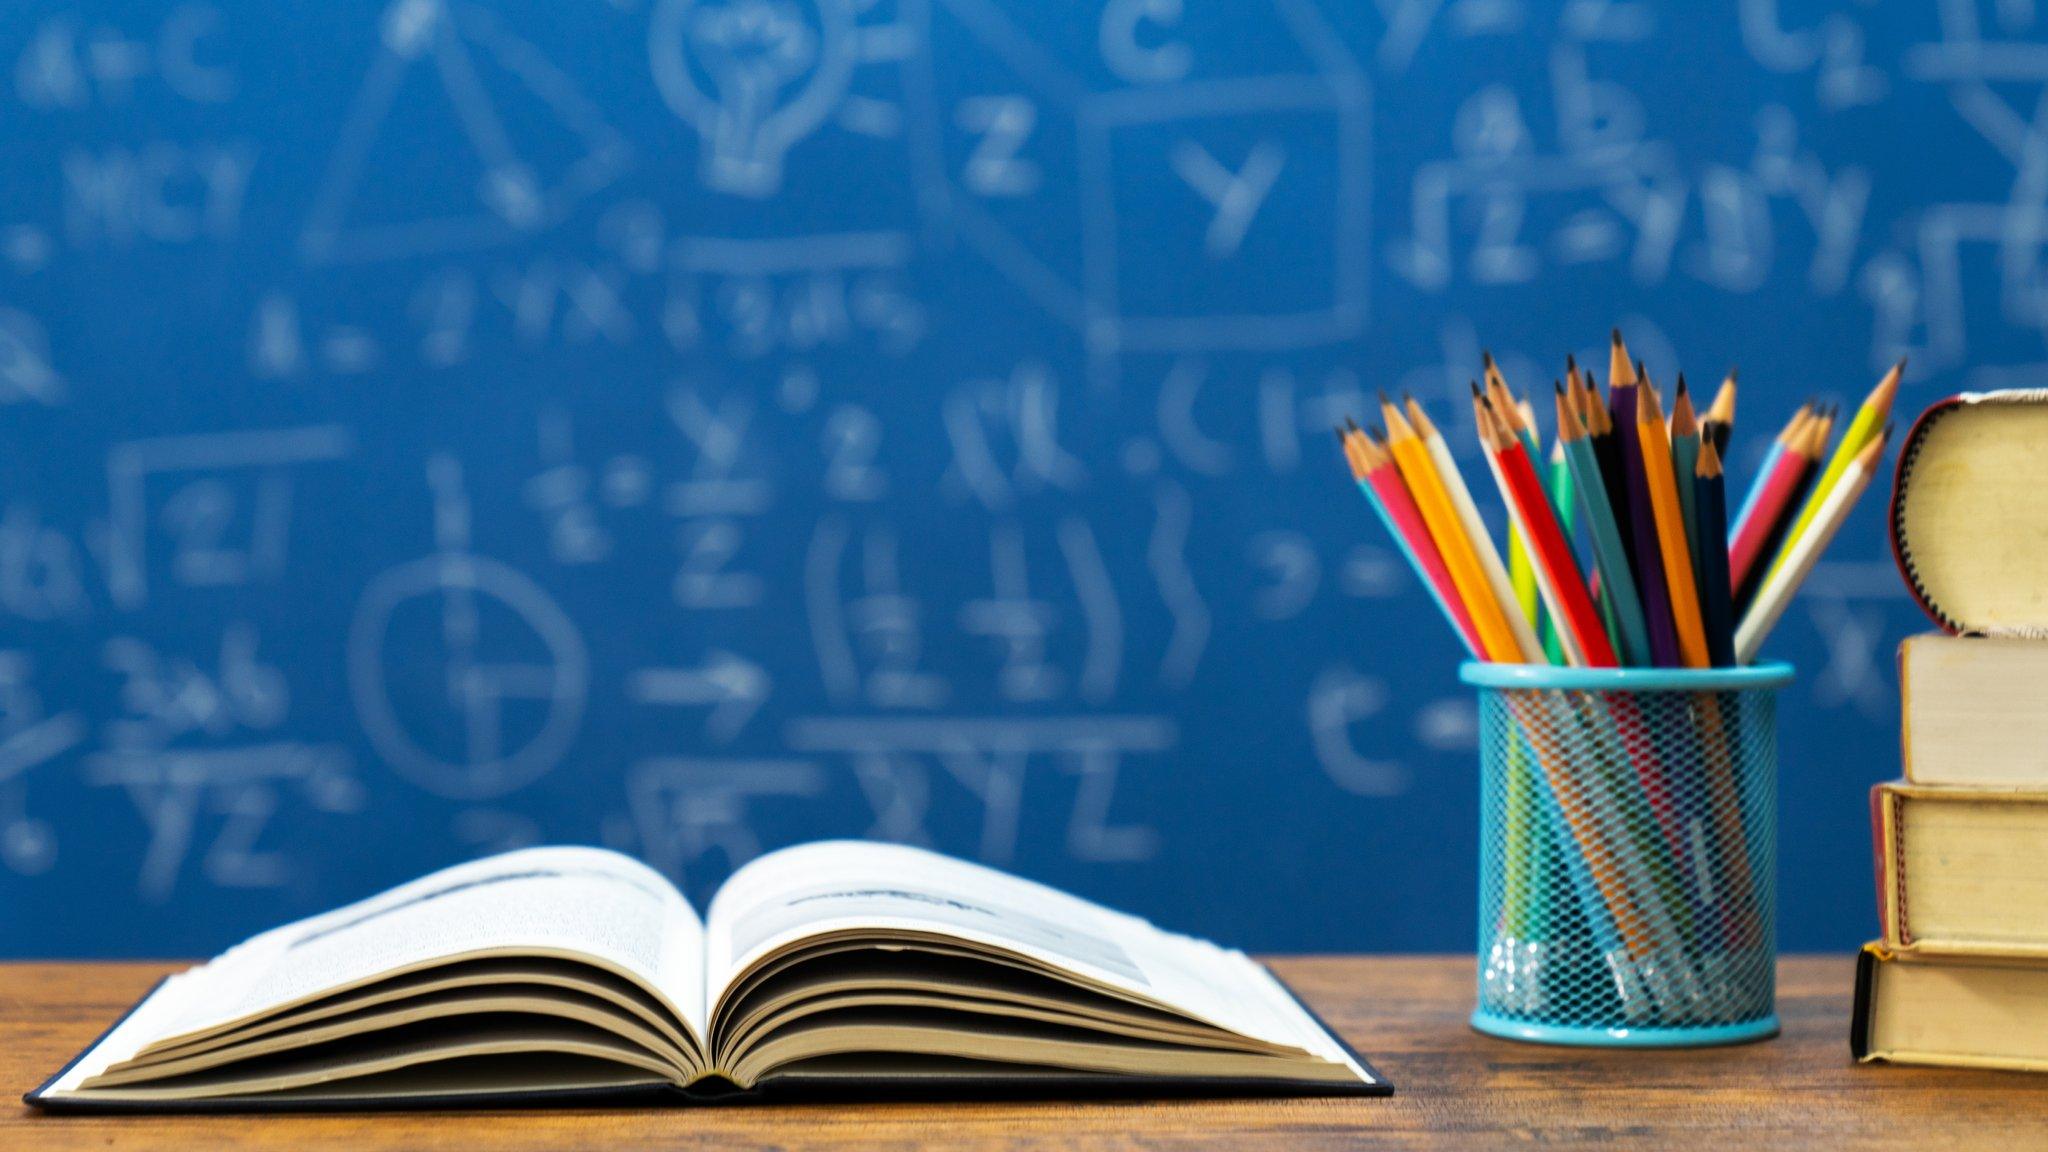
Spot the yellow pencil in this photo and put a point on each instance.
(1869, 421)
(1442, 521)
(1490, 566)
(1663, 485)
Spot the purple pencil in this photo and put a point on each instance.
(1656, 597)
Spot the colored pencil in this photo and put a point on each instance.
(1800, 554)
(1794, 429)
(1777, 531)
(1373, 467)
(1517, 530)
(1719, 422)
(1557, 571)
(1870, 419)
(1777, 489)
(1670, 528)
(1717, 594)
(1432, 500)
(1558, 483)
(1526, 584)
(1528, 649)
(1686, 437)
(1610, 555)
(1642, 530)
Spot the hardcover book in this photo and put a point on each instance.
(1959, 869)
(1975, 710)
(570, 975)
(1960, 1011)
(1968, 529)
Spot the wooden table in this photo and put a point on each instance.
(1455, 1088)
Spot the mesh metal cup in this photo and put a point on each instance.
(1627, 855)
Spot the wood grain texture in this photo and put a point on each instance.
(1457, 1089)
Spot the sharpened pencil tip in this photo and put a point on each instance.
(1486, 357)
(1352, 423)
(1478, 393)
(1681, 383)
(1614, 334)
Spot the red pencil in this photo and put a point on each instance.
(1780, 488)
(1540, 530)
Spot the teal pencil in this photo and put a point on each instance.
(1609, 554)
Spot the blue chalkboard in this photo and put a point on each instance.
(696, 426)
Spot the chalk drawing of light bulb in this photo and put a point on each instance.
(753, 77)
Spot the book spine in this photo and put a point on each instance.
(1860, 1012)
(1895, 512)
(1887, 837)
(1906, 707)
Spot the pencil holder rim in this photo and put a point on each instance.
(1482, 674)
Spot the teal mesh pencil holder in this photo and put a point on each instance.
(1627, 854)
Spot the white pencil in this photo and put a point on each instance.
(1783, 583)
(1491, 431)
(1482, 542)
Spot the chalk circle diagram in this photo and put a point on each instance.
(470, 595)
(466, 54)
(752, 77)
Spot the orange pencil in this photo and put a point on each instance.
(1671, 535)
(1442, 519)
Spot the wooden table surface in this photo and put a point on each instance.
(1455, 1088)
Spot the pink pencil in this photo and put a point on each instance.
(1780, 488)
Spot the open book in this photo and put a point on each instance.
(576, 973)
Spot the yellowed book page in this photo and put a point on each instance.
(1970, 867)
(1975, 710)
(1962, 1013)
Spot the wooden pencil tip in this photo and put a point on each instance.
(1681, 383)
(1486, 357)
(1614, 335)
(1352, 424)
(1478, 393)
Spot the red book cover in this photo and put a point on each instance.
(1881, 858)
(1902, 553)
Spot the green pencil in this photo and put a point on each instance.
(1560, 499)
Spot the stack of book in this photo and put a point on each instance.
(1960, 975)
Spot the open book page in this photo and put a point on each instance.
(584, 903)
(883, 889)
